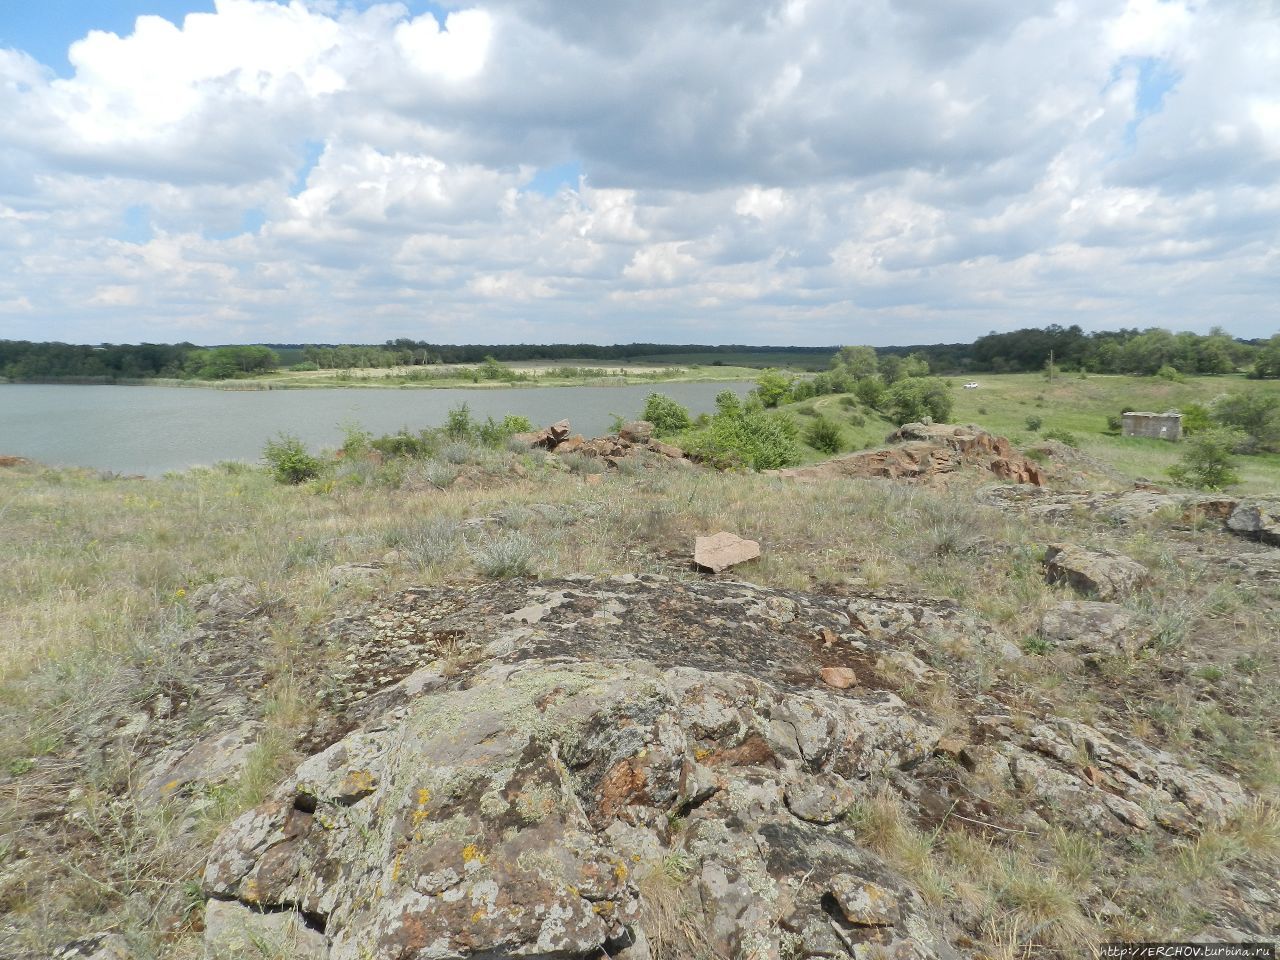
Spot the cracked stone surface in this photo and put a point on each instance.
(598, 741)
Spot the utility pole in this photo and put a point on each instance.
(1051, 366)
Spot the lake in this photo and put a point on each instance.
(150, 430)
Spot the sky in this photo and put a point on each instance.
(727, 171)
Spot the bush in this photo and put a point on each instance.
(1169, 372)
(289, 460)
(773, 387)
(458, 424)
(870, 391)
(1034, 424)
(1195, 418)
(404, 444)
(915, 398)
(503, 556)
(748, 438)
(823, 435)
(1062, 436)
(495, 433)
(666, 415)
(1115, 423)
(1255, 414)
(1207, 464)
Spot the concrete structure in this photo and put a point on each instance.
(1160, 426)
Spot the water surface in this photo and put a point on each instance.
(152, 429)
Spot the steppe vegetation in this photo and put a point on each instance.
(99, 571)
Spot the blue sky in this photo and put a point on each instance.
(763, 171)
(47, 28)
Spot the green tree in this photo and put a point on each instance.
(1206, 463)
(915, 398)
(1267, 364)
(773, 387)
(858, 361)
(665, 414)
(1255, 413)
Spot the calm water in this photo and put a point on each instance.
(150, 430)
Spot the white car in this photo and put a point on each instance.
(971, 385)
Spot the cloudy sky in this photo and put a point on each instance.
(746, 171)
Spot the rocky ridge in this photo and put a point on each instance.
(597, 753)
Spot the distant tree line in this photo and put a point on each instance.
(1143, 352)
(22, 360)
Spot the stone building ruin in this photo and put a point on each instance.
(1159, 426)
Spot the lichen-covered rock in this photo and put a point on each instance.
(230, 599)
(1256, 521)
(606, 754)
(1098, 573)
(1091, 626)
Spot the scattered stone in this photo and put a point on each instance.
(638, 431)
(822, 798)
(1091, 626)
(1101, 573)
(559, 430)
(1256, 522)
(669, 450)
(228, 600)
(348, 573)
(723, 550)
(841, 678)
(216, 759)
(863, 903)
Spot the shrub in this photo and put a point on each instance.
(750, 438)
(289, 460)
(1170, 372)
(1207, 464)
(915, 398)
(458, 424)
(1062, 436)
(432, 543)
(1255, 414)
(870, 391)
(824, 435)
(1034, 424)
(773, 387)
(355, 440)
(1195, 418)
(666, 415)
(404, 444)
(504, 556)
(495, 433)
(1115, 423)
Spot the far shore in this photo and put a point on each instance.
(400, 378)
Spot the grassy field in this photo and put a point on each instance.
(1004, 402)
(97, 571)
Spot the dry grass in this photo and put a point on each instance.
(97, 572)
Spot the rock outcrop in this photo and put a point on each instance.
(633, 439)
(930, 453)
(639, 767)
(1103, 574)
